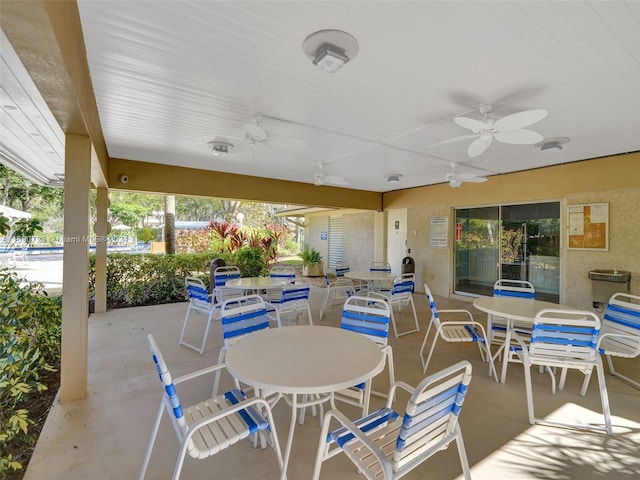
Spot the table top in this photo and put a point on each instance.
(304, 359)
(367, 275)
(254, 283)
(522, 309)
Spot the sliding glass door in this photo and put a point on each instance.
(519, 242)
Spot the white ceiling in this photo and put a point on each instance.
(169, 76)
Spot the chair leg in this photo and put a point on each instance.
(152, 440)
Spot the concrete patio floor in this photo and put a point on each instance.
(105, 436)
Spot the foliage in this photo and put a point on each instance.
(310, 255)
(250, 261)
(30, 334)
(146, 235)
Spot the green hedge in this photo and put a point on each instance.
(148, 279)
(30, 332)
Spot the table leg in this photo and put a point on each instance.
(507, 345)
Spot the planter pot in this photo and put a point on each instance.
(312, 269)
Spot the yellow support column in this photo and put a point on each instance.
(75, 273)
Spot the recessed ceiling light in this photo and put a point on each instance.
(330, 49)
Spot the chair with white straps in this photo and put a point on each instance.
(369, 317)
(564, 339)
(221, 275)
(387, 445)
(200, 301)
(212, 425)
(292, 303)
(467, 330)
(337, 290)
(620, 334)
(400, 295)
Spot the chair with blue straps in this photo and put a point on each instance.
(620, 334)
(200, 302)
(240, 316)
(564, 339)
(221, 275)
(400, 295)
(212, 425)
(467, 330)
(292, 303)
(337, 290)
(387, 445)
(369, 317)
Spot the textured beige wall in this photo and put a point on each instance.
(624, 231)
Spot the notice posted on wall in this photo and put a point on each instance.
(589, 226)
(439, 232)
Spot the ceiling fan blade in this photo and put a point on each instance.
(455, 140)
(480, 145)
(472, 124)
(519, 137)
(255, 132)
(519, 120)
(335, 180)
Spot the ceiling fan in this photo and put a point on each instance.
(322, 179)
(508, 129)
(456, 179)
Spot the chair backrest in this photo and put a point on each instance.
(380, 267)
(565, 335)
(285, 273)
(432, 414)
(170, 397)
(222, 274)
(242, 315)
(435, 318)
(403, 286)
(368, 316)
(198, 294)
(514, 288)
(341, 269)
(622, 317)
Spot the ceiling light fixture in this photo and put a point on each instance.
(551, 144)
(330, 49)
(220, 149)
(393, 177)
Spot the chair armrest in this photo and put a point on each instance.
(198, 373)
(360, 436)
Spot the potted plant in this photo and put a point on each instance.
(311, 262)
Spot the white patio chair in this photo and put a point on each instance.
(212, 425)
(292, 303)
(455, 331)
(377, 285)
(564, 339)
(338, 290)
(221, 275)
(387, 445)
(200, 301)
(400, 295)
(240, 316)
(369, 317)
(620, 333)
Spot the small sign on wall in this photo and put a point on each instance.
(323, 235)
(439, 232)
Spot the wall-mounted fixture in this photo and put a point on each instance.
(330, 49)
(552, 144)
(219, 148)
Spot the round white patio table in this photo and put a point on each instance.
(370, 277)
(303, 360)
(513, 308)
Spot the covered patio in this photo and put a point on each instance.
(105, 435)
